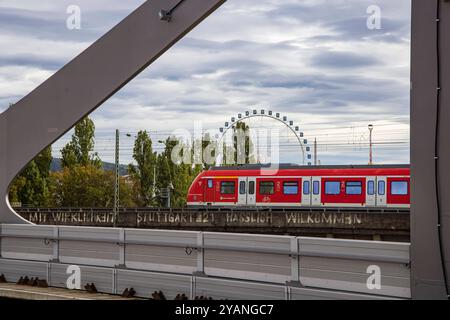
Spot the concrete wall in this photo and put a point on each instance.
(220, 265)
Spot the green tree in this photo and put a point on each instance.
(32, 186)
(209, 152)
(243, 153)
(15, 188)
(83, 182)
(177, 174)
(144, 171)
(79, 151)
(163, 179)
(44, 161)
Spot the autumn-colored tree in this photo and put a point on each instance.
(89, 186)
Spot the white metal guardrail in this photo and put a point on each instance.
(217, 265)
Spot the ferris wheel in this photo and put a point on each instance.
(304, 148)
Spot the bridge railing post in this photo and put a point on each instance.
(200, 254)
(55, 244)
(295, 260)
(121, 246)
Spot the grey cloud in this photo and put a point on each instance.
(51, 25)
(210, 75)
(342, 60)
(353, 29)
(30, 61)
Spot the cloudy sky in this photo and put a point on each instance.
(314, 61)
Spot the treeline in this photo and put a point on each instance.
(83, 182)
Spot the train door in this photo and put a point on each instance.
(371, 197)
(315, 195)
(251, 194)
(209, 192)
(242, 192)
(306, 191)
(381, 191)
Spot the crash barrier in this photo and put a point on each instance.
(214, 265)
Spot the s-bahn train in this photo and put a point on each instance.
(374, 186)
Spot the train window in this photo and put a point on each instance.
(399, 188)
(227, 187)
(290, 187)
(251, 187)
(371, 188)
(266, 187)
(242, 187)
(381, 188)
(353, 187)
(316, 187)
(306, 187)
(332, 187)
(210, 183)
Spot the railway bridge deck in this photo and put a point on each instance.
(349, 223)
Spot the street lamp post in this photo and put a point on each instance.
(117, 182)
(370, 145)
(315, 151)
(169, 191)
(117, 179)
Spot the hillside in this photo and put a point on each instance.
(123, 169)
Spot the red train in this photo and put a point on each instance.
(301, 186)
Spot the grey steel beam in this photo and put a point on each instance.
(430, 148)
(85, 83)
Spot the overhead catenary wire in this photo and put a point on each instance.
(331, 139)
